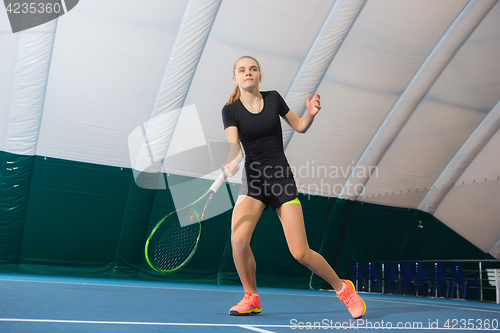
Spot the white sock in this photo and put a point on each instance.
(341, 290)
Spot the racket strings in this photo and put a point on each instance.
(175, 244)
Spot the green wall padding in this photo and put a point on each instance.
(74, 218)
(15, 178)
(63, 217)
(133, 231)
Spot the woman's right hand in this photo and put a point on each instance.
(231, 168)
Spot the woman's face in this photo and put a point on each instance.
(246, 73)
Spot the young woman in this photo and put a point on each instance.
(252, 117)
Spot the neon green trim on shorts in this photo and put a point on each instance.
(296, 200)
(244, 195)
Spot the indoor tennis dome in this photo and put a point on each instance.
(401, 163)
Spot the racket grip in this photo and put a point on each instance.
(218, 182)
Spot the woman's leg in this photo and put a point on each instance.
(246, 213)
(292, 219)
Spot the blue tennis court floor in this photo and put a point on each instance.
(30, 303)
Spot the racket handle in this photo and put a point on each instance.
(218, 182)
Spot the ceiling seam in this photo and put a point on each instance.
(332, 34)
(429, 71)
(180, 66)
(461, 160)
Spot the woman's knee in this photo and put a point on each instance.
(240, 242)
(302, 255)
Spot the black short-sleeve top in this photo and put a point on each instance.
(261, 136)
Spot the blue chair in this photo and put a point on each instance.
(407, 276)
(423, 278)
(391, 275)
(372, 275)
(358, 274)
(460, 281)
(439, 272)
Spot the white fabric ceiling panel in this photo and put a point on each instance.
(168, 109)
(370, 70)
(486, 166)
(472, 79)
(472, 210)
(344, 124)
(106, 65)
(281, 45)
(398, 198)
(482, 205)
(422, 149)
(8, 53)
(275, 28)
(462, 160)
(389, 41)
(26, 101)
(436, 130)
(435, 63)
(332, 34)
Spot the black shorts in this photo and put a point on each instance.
(274, 192)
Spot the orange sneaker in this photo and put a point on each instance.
(248, 305)
(351, 299)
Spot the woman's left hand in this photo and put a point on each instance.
(312, 104)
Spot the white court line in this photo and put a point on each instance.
(430, 304)
(249, 327)
(253, 328)
(61, 321)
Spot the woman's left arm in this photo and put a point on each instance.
(301, 125)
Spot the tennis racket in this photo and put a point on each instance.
(174, 240)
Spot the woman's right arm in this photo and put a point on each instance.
(235, 155)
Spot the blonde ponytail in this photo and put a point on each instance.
(234, 96)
